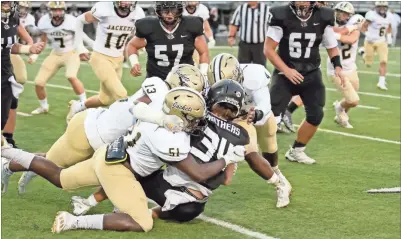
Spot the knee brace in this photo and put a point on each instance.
(314, 116)
(186, 212)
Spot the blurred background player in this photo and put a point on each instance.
(115, 23)
(348, 45)
(58, 28)
(194, 8)
(395, 22)
(378, 30)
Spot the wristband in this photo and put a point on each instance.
(24, 49)
(389, 38)
(211, 38)
(258, 116)
(203, 68)
(133, 59)
(336, 61)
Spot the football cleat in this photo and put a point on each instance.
(298, 155)
(382, 86)
(283, 193)
(287, 120)
(63, 222)
(40, 110)
(282, 129)
(343, 123)
(80, 205)
(25, 178)
(5, 174)
(75, 107)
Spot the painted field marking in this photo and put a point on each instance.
(368, 107)
(371, 94)
(23, 114)
(385, 190)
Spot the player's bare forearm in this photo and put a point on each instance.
(229, 174)
(24, 35)
(15, 48)
(341, 30)
(389, 29)
(89, 18)
(200, 172)
(332, 52)
(201, 47)
(135, 44)
(43, 39)
(365, 26)
(208, 30)
(259, 165)
(271, 54)
(350, 38)
(232, 30)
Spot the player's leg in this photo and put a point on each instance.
(258, 57)
(9, 128)
(244, 53)
(314, 96)
(19, 68)
(72, 64)
(47, 70)
(280, 95)
(369, 53)
(71, 148)
(295, 102)
(382, 50)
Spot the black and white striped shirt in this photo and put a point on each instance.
(252, 22)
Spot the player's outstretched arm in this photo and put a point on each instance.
(349, 38)
(81, 20)
(133, 46)
(365, 26)
(24, 35)
(203, 50)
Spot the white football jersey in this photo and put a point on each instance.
(112, 30)
(61, 37)
(256, 81)
(155, 147)
(29, 20)
(377, 29)
(103, 126)
(347, 53)
(201, 11)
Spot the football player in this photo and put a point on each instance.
(58, 28)
(10, 88)
(126, 160)
(298, 29)
(170, 39)
(182, 198)
(91, 129)
(348, 45)
(377, 29)
(255, 79)
(194, 8)
(115, 23)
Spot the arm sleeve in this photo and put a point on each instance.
(87, 40)
(329, 38)
(79, 32)
(236, 18)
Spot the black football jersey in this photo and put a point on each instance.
(299, 46)
(166, 50)
(8, 38)
(219, 136)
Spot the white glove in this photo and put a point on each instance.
(173, 123)
(211, 43)
(234, 155)
(32, 58)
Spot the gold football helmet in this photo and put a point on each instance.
(23, 8)
(53, 7)
(187, 104)
(224, 66)
(186, 75)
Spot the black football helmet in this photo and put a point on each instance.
(227, 93)
(163, 8)
(125, 7)
(302, 10)
(8, 9)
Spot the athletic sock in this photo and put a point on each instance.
(43, 103)
(382, 80)
(276, 170)
(274, 180)
(19, 156)
(88, 222)
(292, 107)
(82, 97)
(8, 135)
(298, 145)
(92, 201)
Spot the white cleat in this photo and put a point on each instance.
(25, 178)
(343, 123)
(75, 107)
(63, 222)
(298, 155)
(40, 110)
(382, 86)
(80, 205)
(283, 193)
(5, 174)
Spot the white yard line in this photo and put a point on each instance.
(358, 136)
(23, 114)
(385, 190)
(371, 94)
(368, 107)
(376, 73)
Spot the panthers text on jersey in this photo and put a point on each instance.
(29, 20)
(377, 28)
(348, 53)
(201, 11)
(113, 30)
(299, 40)
(61, 37)
(8, 39)
(167, 49)
(219, 136)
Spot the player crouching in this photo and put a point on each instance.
(347, 32)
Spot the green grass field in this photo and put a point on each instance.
(328, 201)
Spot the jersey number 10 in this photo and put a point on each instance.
(120, 40)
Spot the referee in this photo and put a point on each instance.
(251, 20)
